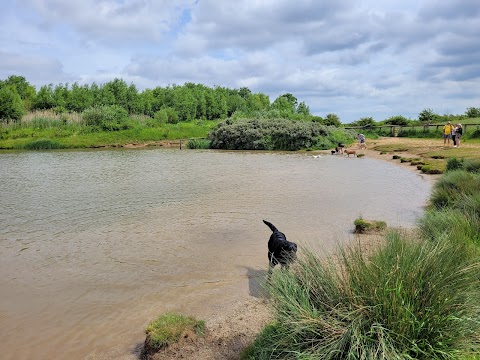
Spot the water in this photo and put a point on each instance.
(95, 244)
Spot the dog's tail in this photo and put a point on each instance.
(270, 225)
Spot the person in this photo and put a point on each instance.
(340, 148)
(454, 135)
(447, 133)
(361, 139)
(459, 134)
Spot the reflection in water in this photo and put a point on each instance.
(94, 244)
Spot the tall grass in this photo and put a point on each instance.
(409, 300)
(412, 298)
(452, 189)
(75, 134)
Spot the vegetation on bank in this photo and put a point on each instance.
(115, 113)
(414, 297)
(168, 329)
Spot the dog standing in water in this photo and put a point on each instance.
(280, 250)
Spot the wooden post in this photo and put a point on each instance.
(180, 144)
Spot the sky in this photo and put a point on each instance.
(353, 58)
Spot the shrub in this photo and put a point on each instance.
(408, 300)
(275, 134)
(108, 118)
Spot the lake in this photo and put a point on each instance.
(95, 244)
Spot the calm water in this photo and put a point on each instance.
(95, 244)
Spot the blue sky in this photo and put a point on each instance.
(354, 58)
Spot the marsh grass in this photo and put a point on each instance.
(456, 188)
(169, 328)
(363, 226)
(409, 300)
(77, 135)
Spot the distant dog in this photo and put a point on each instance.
(280, 250)
(350, 152)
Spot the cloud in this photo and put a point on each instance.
(108, 21)
(354, 58)
(36, 68)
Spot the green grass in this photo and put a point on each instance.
(363, 226)
(168, 329)
(409, 300)
(75, 135)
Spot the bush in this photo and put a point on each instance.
(409, 300)
(11, 105)
(275, 134)
(108, 118)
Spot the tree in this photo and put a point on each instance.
(397, 120)
(472, 112)
(286, 104)
(303, 109)
(427, 116)
(332, 119)
(11, 105)
(44, 99)
(365, 122)
(23, 88)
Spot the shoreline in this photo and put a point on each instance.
(229, 332)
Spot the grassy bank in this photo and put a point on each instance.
(414, 297)
(49, 131)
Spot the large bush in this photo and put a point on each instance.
(275, 134)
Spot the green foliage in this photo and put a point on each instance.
(161, 116)
(108, 118)
(409, 299)
(331, 119)
(11, 105)
(363, 226)
(427, 116)
(43, 144)
(168, 329)
(272, 134)
(453, 187)
(472, 112)
(365, 122)
(198, 144)
(397, 120)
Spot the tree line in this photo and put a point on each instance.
(171, 104)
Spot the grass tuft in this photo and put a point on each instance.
(169, 328)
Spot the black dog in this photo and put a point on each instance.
(280, 250)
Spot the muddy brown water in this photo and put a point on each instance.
(95, 244)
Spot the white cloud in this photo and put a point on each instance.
(353, 58)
